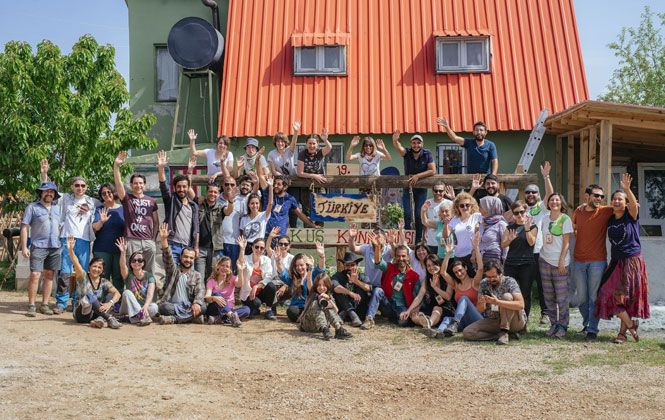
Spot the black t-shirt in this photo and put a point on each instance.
(205, 230)
(520, 252)
(341, 279)
(505, 201)
(312, 165)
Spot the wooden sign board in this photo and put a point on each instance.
(343, 208)
(342, 169)
(339, 237)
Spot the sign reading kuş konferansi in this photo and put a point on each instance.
(343, 208)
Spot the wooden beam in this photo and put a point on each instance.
(559, 164)
(605, 170)
(636, 123)
(591, 174)
(584, 162)
(570, 193)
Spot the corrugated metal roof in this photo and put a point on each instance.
(391, 83)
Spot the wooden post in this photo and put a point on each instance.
(584, 162)
(341, 249)
(605, 170)
(559, 164)
(570, 194)
(593, 138)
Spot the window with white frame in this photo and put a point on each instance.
(166, 75)
(336, 155)
(651, 193)
(319, 60)
(462, 54)
(451, 159)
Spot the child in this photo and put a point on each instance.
(321, 312)
(220, 294)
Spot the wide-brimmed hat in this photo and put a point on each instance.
(349, 257)
(251, 142)
(48, 185)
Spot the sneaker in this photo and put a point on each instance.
(44, 309)
(235, 320)
(270, 314)
(503, 338)
(551, 331)
(327, 335)
(368, 324)
(166, 320)
(342, 334)
(144, 322)
(199, 320)
(591, 336)
(113, 323)
(451, 329)
(560, 332)
(212, 320)
(431, 333)
(97, 322)
(32, 311)
(355, 319)
(544, 319)
(582, 332)
(514, 336)
(57, 309)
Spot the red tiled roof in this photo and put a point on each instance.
(391, 84)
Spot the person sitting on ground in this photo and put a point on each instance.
(482, 157)
(490, 189)
(369, 157)
(466, 292)
(247, 162)
(351, 290)
(95, 296)
(296, 279)
(220, 294)
(280, 252)
(502, 304)
(492, 229)
(215, 158)
(183, 298)
(320, 312)
(432, 301)
(137, 304)
(258, 272)
(465, 222)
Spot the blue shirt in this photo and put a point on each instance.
(44, 224)
(479, 158)
(286, 279)
(413, 166)
(372, 272)
(279, 215)
(113, 229)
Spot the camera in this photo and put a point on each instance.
(324, 302)
(486, 293)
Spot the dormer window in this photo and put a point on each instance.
(319, 60)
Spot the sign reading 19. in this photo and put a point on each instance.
(342, 169)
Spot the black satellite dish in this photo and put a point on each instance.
(195, 44)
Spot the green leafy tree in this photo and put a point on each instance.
(59, 107)
(640, 77)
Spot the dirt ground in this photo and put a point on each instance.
(54, 368)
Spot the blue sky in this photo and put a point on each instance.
(63, 21)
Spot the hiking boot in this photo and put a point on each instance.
(342, 334)
(97, 322)
(591, 336)
(544, 319)
(32, 311)
(551, 331)
(235, 320)
(560, 332)
(144, 322)
(113, 323)
(327, 335)
(270, 314)
(199, 320)
(582, 332)
(355, 319)
(431, 333)
(514, 336)
(451, 329)
(368, 324)
(166, 320)
(503, 338)
(44, 309)
(212, 320)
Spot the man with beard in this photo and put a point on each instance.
(41, 218)
(481, 155)
(77, 212)
(235, 208)
(180, 214)
(490, 188)
(183, 299)
(351, 290)
(590, 255)
(419, 164)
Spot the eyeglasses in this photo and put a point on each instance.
(531, 192)
(138, 260)
(259, 247)
(438, 191)
(464, 205)
(599, 195)
(283, 244)
(228, 184)
(519, 213)
(107, 193)
(79, 185)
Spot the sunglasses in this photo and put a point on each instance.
(464, 205)
(138, 260)
(438, 191)
(599, 195)
(228, 184)
(259, 247)
(531, 192)
(283, 244)
(107, 193)
(79, 185)
(519, 213)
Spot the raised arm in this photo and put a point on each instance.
(294, 137)
(475, 183)
(192, 145)
(443, 122)
(401, 150)
(43, 169)
(122, 246)
(119, 186)
(268, 208)
(302, 216)
(349, 153)
(353, 232)
(545, 171)
(380, 145)
(328, 147)
(475, 241)
(431, 224)
(80, 274)
(103, 218)
(450, 247)
(190, 170)
(321, 251)
(274, 233)
(633, 205)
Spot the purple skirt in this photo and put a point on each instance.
(624, 288)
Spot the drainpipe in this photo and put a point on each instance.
(215, 11)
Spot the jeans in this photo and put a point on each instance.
(388, 307)
(466, 314)
(176, 250)
(419, 198)
(587, 276)
(215, 310)
(203, 264)
(82, 252)
(146, 247)
(231, 251)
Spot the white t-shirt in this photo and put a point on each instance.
(283, 163)
(553, 231)
(255, 228)
(231, 223)
(463, 232)
(416, 266)
(369, 165)
(214, 165)
(433, 215)
(76, 219)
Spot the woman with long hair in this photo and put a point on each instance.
(217, 159)
(465, 223)
(320, 312)
(220, 294)
(137, 299)
(253, 224)
(258, 288)
(297, 279)
(369, 157)
(109, 225)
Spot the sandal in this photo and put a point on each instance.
(621, 338)
(633, 330)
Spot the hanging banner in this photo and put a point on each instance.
(331, 236)
(343, 208)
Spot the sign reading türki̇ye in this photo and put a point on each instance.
(343, 208)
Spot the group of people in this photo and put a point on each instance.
(472, 269)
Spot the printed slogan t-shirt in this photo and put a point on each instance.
(138, 216)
